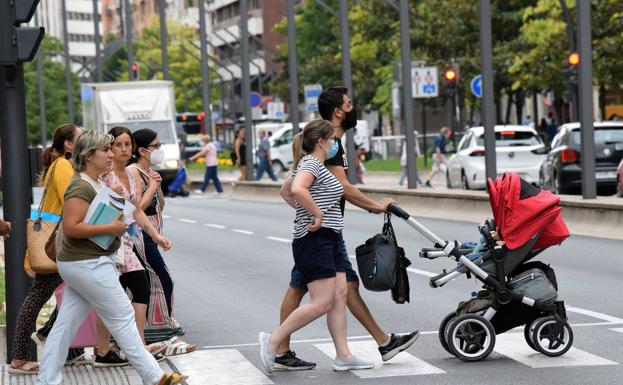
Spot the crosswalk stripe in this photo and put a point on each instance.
(513, 346)
(278, 239)
(620, 330)
(219, 367)
(403, 364)
(187, 220)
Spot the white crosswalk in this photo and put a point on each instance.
(227, 365)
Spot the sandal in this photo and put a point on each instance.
(176, 347)
(35, 337)
(172, 378)
(159, 357)
(23, 369)
(156, 348)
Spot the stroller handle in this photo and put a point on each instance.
(398, 211)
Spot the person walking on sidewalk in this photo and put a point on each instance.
(240, 152)
(265, 160)
(89, 272)
(57, 173)
(439, 155)
(336, 107)
(317, 226)
(209, 152)
(403, 162)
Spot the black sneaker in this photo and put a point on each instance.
(427, 184)
(289, 361)
(110, 360)
(397, 344)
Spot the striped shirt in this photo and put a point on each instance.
(326, 191)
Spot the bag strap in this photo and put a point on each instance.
(47, 186)
(388, 229)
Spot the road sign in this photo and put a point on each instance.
(476, 86)
(312, 91)
(424, 82)
(256, 99)
(276, 110)
(256, 113)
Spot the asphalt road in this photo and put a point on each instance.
(231, 263)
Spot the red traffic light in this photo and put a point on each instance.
(574, 58)
(450, 75)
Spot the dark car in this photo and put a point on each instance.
(620, 180)
(561, 171)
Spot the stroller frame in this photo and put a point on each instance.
(552, 327)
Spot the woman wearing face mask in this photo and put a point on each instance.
(316, 196)
(147, 153)
(57, 173)
(133, 275)
(89, 272)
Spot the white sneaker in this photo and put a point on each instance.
(340, 365)
(198, 191)
(268, 357)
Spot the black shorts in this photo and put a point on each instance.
(317, 255)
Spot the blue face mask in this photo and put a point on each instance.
(331, 152)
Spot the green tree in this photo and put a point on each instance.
(55, 92)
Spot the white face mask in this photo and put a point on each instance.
(157, 156)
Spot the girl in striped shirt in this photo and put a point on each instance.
(318, 223)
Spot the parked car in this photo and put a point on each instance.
(620, 180)
(561, 171)
(519, 149)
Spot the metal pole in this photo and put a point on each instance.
(43, 125)
(205, 70)
(128, 36)
(348, 83)
(16, 191)
(98, 48)
(162, 10)
(488, 107)
(68, 74)
(575, 108)
(246, 85)
(424, 129)
(589, 185)
(407, 95)
(294, 84)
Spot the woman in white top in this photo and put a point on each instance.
(316, 197)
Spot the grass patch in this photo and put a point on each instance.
(393, 165)
(199, 167)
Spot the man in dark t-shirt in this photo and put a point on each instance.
(439, 155)
(335, 106)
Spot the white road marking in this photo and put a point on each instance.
(404, 364)
(513, 346)
(620, 330)
(594, 314)
(227, 366)
(246, 232)
(187, 220)
(166, 217)
(215, 226)
(284, 240)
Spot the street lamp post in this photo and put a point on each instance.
(205, 70)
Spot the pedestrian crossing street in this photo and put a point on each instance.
(228, 366)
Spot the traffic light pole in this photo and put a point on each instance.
(205, 70)
(68, 74)
(128, 37)
(407, 95)
(15, 189)
(293, 72)
(488, 107)
(589, 186)
(98, 48)
(246, 85)
(162, 11)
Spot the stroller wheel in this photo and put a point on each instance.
(527, 333)
(443, 332)
(550, 338)
(471, 337)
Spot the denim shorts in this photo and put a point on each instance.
(297, 280)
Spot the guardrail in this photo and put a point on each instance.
(601, 217)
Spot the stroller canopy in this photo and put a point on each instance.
(522, 211)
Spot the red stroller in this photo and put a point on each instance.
(516, 292)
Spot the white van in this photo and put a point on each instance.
(281, 144)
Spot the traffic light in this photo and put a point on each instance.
(574, 62)
(449, 76)
(135, 71)
(18, 44)
(574, 59)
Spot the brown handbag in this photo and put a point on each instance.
(40, 237)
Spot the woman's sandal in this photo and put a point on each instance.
(20, 369)
(176, 347)
(40, 342)
(172, 378)
(156, 348)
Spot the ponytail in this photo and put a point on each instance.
(62, 133)
(297, 150)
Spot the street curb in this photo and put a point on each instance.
(601, 217)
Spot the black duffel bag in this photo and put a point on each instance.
(377, 259)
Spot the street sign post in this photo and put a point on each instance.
(276, 110)
(476, 86)
(312, 91)
(424, 82)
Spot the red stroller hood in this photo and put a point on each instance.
(521, 211)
